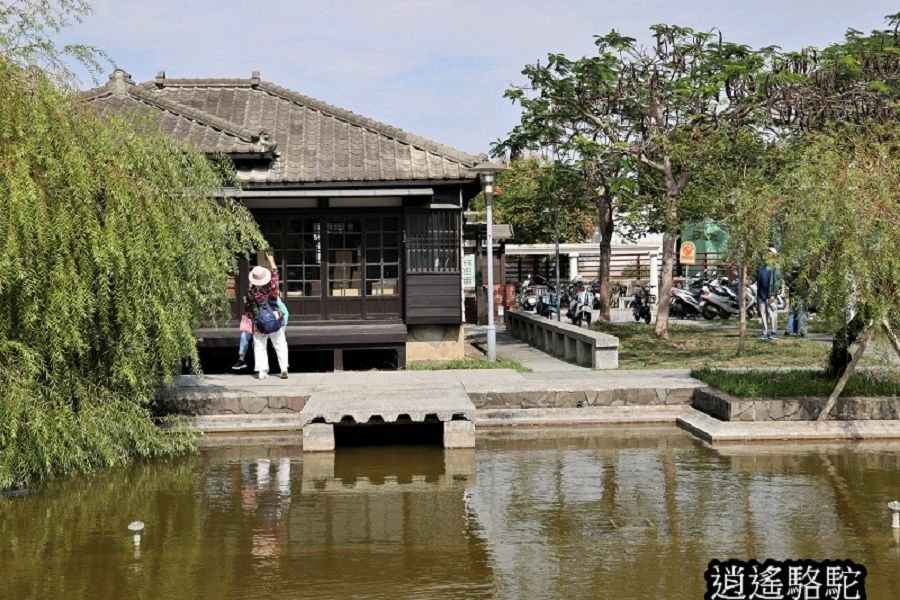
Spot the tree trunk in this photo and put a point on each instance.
(843, 339)
(742, 290)
(665, 287)
(832, 399)
(673, 190)
(890, 333)
(605, 227)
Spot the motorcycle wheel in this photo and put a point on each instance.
(708, 313)
(647, 317)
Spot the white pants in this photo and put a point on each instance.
(768, 314)
(261, 350)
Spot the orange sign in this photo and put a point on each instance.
(688, 254)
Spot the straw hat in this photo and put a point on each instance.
(260, 276)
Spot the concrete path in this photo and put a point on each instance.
(425, 383)
(510, 348)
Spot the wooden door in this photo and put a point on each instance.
(344, 284)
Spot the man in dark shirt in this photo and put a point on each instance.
(768, 286)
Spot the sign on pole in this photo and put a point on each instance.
(688, 254)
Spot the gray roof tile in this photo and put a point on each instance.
(313, 141)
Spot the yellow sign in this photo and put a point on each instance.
(688, 253)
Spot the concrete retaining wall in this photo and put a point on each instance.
(573, 344)
(730, 408)
(583, 398)
(215, 402)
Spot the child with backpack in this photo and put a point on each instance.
(261, 306)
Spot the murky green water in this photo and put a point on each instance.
(549, 513)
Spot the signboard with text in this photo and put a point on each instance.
(688, 255)
(468, 271)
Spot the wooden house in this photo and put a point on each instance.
(364, 219)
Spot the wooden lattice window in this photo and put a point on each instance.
(382, 256)
(432, 241)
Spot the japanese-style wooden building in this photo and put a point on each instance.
(364, 219)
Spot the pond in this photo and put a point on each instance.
(603, 512)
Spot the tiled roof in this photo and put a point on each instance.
(308, 140)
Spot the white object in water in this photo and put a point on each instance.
(895, 509)
(136, 527)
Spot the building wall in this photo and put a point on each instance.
(435, 342)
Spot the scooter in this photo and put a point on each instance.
(548, 304)
(529, 292)
(686, 303)
(640, 306)
(581, 307)
(719, 300)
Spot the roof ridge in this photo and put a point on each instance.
(193, 113)
(367, 122)
(143, 92)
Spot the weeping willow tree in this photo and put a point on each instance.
(840, 208)
(114, 246)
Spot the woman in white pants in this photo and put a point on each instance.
(261, 354)
(264, 290)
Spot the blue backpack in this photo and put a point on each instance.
(267, 318)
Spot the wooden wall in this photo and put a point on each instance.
(433, 298)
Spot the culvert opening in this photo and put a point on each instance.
(375, 358)
(389, 434)
(221, 360)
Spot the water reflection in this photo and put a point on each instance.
(601, 512)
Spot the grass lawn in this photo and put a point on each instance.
(789, 384)
(814, 325)
(691, 347)
(469, 362)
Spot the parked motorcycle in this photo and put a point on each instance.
(548, 304)
(581, 306)
(530, 291)
(640, 305)
(687, 303)
(718, 299)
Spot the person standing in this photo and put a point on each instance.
(262, 302)
(768, 286)
(797, 314)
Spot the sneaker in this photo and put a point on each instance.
(773, 336)
(263, 374)
(284, 374)
(763, 336)
(239, 365)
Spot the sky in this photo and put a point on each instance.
(436, 68)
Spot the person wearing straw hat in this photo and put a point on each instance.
(261, 299)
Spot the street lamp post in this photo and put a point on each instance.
(556, 240)
(488, 172)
